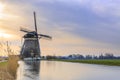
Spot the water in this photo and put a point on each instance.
(53, 70)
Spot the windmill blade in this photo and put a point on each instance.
(45, 36)
(25, 30)
(35, 22)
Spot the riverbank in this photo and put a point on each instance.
(8, 68)
(4, 74)
(3, 64)
(100, 62)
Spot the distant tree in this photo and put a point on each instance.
(88, 57)
(43, 57)
(80, 56)
(109, 56)
(48, 57)
(101, 56)
(95, 57)
(51, 57)
(70, 56)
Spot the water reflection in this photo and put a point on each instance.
(53, 70)
(28, 70)
(34, 66)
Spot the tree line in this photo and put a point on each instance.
(79, 56)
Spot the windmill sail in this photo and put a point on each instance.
(45, 36)
(35, 22)
(24, 30)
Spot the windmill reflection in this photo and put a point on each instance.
(34, 66)
(28, 70)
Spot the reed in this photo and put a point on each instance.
(12, 65)
(4, 74)
(8, 69)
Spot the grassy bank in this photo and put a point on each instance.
(3, 64)
(101, 62)
(8, 69)
(4, 74)
(12, 65)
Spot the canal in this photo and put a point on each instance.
(53, 70)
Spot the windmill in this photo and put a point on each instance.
(31, 46)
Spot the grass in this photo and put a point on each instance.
(3, 64)
(8, 69)
(4, 74)
(100, 62)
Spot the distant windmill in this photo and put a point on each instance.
(31, 46)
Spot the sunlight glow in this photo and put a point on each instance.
(1, 10)
(4, 35)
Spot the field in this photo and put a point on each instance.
(101, 62)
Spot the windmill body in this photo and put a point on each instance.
(31, 46)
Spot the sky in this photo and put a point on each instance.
(77, 26)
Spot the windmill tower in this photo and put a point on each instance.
(31, 46)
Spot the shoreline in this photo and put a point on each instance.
(113, 62)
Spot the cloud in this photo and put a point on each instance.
(78, 25)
